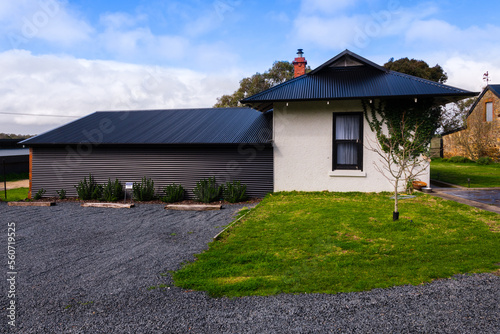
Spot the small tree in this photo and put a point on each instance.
(404, 129)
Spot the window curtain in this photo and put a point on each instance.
(347, 128)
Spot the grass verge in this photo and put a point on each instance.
(481, 176)
(15, 194)
(343, 242)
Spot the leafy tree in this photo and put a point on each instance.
(421, 69)
(13, 136)
(417, 68)
(280, 72)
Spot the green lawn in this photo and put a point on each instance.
(481, 176)
(15, 194)
(342, 242)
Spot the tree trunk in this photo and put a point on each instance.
(395, 214)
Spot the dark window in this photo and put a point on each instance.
(348, 141)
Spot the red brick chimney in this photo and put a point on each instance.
(299, 64)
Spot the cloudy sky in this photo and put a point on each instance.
(63, 59)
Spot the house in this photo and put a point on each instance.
(481, 136)
(305, 134)
(321, 140)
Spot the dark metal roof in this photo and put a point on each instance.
(349, 76)
(179, 126)
(495, 89)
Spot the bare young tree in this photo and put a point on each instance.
(404, 129)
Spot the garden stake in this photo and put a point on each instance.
(4, 179)
(468, 182)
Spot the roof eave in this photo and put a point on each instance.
(258, 104)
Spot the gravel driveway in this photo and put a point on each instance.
(87, 270)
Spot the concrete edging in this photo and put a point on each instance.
(31, 203)
(193, 207)
(108, 205)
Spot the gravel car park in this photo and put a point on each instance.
(92, 270)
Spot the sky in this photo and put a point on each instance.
(63, 59)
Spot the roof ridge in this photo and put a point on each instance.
(427, 81)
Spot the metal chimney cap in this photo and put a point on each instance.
(300, 52)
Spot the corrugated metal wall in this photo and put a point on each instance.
(58, 168)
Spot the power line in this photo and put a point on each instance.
(12, 113)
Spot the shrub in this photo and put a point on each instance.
(89, 189)
(112, 191)
(235, 192)
(61, 193)
(484, 161)
(173, 193)
(458, 159)
(39, 193)
(145, 190)
(207, 190)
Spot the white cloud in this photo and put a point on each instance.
(326, 6)
(47, 20)
(340, 31)
(53, 85)
(119, 20)
(467, 73)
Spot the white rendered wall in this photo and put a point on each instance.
(303, 150)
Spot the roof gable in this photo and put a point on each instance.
(350, 76)
(348, 59)
(495, 89)
(176, 126)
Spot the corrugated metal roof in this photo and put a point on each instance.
(176, 126)
(368, 80)
(495, 89)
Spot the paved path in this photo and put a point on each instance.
(482, 198)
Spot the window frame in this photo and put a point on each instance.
(486, 111)
(358, 142)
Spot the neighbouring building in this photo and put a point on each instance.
(306, 134)
(481, 135)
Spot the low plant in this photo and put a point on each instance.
(145, 190)
(484, 161)
(173, 193)
(61, 193)
(112, 191)
(459, 159)
(39, 194)
(89, 189)
(207, 190)
(235, 192)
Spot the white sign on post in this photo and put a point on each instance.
(128, 185)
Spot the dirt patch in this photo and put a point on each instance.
(16, 184)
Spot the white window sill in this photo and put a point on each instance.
(347, 173)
